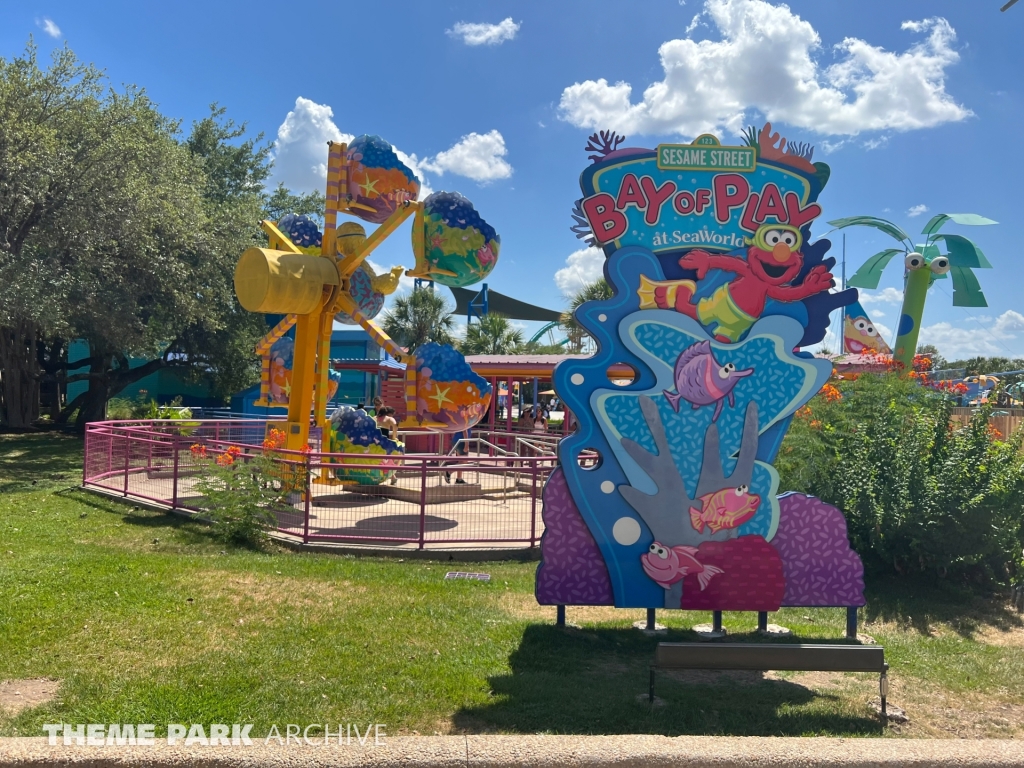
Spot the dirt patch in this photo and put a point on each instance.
(18, 695)
(1008, 636)
(524, 606)
(259, 592)
(937, 713)
(817, 681)
(823, 681)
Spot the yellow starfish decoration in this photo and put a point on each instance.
(369, 186)
(441, 396)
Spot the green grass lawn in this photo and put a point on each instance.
(144, 618)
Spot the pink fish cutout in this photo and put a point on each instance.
(727, 508)
(667, 565)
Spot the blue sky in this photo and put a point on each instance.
(911, 103)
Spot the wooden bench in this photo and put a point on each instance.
(763, 657)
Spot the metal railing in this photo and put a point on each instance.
(422, 505)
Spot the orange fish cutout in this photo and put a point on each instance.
(727, 508)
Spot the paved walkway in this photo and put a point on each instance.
(553, 751)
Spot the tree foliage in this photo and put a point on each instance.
(974, 366)
(420, 317)
(921, 494)
(492, 334)
(283, 201)
(117, 230)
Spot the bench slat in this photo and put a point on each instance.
(752, 656)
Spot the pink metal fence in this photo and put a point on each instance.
(492, 496)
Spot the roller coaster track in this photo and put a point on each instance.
(550, 326)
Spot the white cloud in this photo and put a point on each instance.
(581, 268)
(1008, 324)
(884, 296)
(485, 34)
(300, 153)
(765, 63)
(828, 147)
(477, 156)
(48, 26)
(958, 343)
(917, 210)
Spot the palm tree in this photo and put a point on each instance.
(421, 317)
(923, 265)
(595, 291)
(492, 335)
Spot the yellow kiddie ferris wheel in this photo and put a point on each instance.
(314, 278)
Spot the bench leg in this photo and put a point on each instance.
(851, 622)
(560, 616)
(716, 621)
(762, 621)
(651, 623)
(883, 690)
(650, 690)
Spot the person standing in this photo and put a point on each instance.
(540, 422)
(386, 421)
(461, 450)
(525, 423)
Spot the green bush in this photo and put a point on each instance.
(146, 408)
(921, 496)
(243, 492)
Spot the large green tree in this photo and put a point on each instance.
(183, 313)
(117, 230)
(66, 154)
(418, 318)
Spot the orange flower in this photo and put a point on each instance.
(922, 363)
(803, 413)
(815, 424)
(274, 439)
(227, 458)
(198, 450)
(831, 393)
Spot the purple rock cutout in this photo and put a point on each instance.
(819, 567)
(572, 570)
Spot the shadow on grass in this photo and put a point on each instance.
(595, 681)
(31, 461)
(923, 605)
(186, 531)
